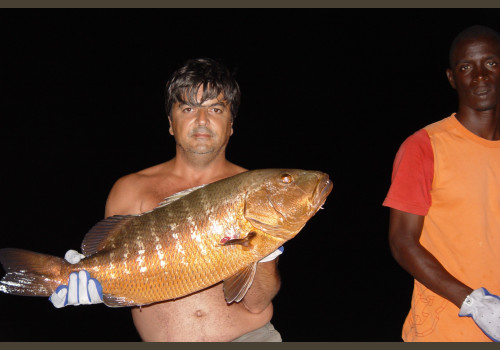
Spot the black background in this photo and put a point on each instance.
(81, 103)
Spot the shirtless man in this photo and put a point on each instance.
(202, 99)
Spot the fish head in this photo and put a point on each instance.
(283, 200)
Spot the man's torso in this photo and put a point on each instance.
(202, 316)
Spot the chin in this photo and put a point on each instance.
(201, 150)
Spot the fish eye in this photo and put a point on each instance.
(286, 178)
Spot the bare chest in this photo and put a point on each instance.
(157, 193)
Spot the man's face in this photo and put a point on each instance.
(201, 129)
(474, 73)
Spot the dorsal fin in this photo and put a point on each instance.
(178, 195)
(95, 239)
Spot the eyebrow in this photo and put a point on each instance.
(221, 104)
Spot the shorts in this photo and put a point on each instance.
(266, 333)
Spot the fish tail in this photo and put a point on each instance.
(29, 273)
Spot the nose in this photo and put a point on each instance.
(481, 73)
(202, 116)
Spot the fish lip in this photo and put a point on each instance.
(323, 189)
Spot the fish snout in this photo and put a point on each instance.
(323, 189)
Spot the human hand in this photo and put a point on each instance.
(273, 255)
(484, 308)
(81, 289)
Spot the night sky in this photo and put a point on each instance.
(81, 103)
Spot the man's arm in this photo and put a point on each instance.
(265, 286)
(405, 230)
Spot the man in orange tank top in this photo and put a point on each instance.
(445, 204)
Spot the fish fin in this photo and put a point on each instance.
(95, 240)
(178, 195)
(29, 273)
(245, 242)
(117, 301)
(236, 287)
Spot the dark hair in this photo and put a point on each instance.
(472, 32)
(212, 76)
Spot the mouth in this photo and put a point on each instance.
(325, 186)
(481, 91)
(201, 136)
(201, 133)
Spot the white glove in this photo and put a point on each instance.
(81, 289)
(484, 308)
(73, 257)
(273, 255)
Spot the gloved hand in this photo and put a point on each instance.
(484, 308)
(81, 289)
(273, 255)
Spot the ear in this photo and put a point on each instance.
(170, 130)
(451, 78)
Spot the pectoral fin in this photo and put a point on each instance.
(237, 286)
(245, 242)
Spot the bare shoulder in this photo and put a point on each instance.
(233, 169)
(129, 192)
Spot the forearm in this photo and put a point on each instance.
(425, 268)
(265, 286)
(405, 230)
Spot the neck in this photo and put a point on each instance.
(485, 124)
(199, 169)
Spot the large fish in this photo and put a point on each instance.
(191, 241)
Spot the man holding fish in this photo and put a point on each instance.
(190, 243)
(202, 99)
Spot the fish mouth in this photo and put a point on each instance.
(323, 189)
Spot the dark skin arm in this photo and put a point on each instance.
(405, 230)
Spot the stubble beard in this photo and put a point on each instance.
(200, 156)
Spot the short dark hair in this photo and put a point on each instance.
(212, 76)
(474, 31)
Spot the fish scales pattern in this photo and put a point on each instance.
(190, 259)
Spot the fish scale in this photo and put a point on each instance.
(191, 241)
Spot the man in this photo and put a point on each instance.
(445, 205)
(202, 99)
